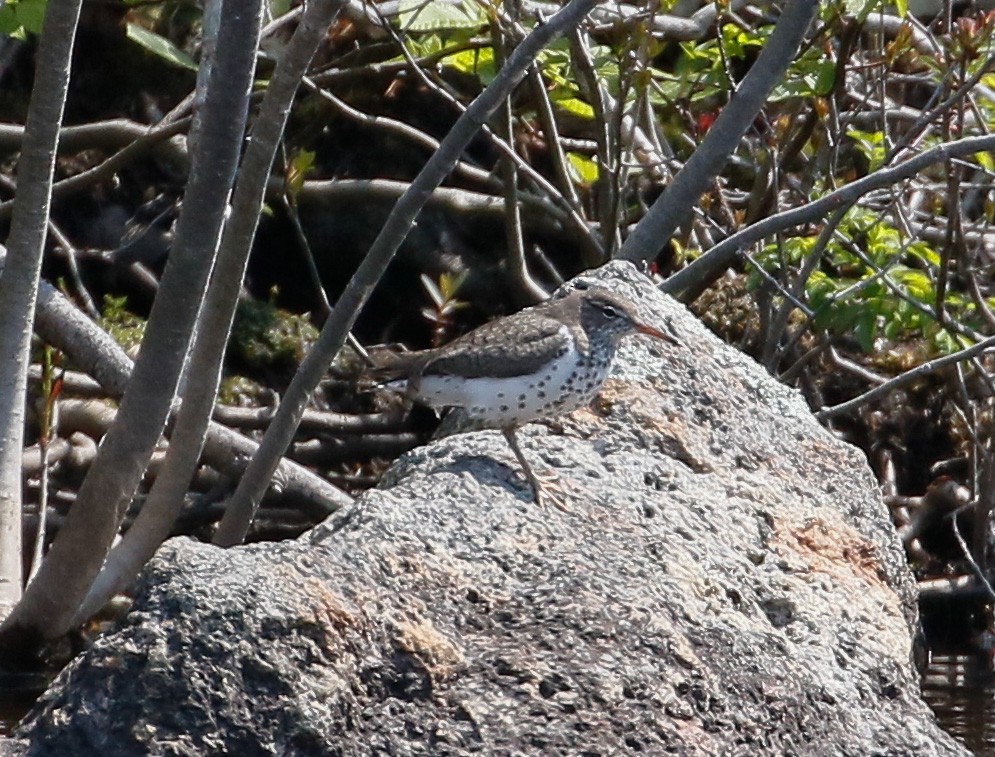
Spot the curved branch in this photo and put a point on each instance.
(685, 284)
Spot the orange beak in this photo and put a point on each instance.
(642, 328)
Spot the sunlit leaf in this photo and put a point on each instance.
(986, 161)
(301, 165)
(159, 46)
(871, 145)
(945, 342)
(450, 283)
(478, 62)
(924, 252)
(431, 15)
(584, 170)
(576, 107)
(916, 283)
(815, 80)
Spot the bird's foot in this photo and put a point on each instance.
(549, 488)
(546, 488)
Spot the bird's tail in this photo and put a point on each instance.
(389, 366)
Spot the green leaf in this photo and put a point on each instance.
(278, 7)
(575, 107)
(860, 9)
(159, 46)
(433, 15)
(945, 342)
(866, 331)
(301, 165)
(871, 144)
(583, 169)
(31, 14)
(986, 161)
(421, 47)
(9, 25)
(478, 62)
(925, 253)
(916, 283)
(814, 80)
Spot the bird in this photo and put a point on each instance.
(537, 363)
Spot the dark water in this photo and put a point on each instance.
(961, 690)
(9, 715)
(18, 691)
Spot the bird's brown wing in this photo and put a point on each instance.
(508, 347)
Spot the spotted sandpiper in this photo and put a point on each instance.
(538, 363)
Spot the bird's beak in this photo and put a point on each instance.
(642, 328)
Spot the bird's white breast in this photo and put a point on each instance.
(566, 383)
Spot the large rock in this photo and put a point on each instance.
(726, 582)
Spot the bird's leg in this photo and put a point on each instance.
(540, 491)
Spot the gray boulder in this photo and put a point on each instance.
(726, 582)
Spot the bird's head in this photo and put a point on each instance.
(606, 314)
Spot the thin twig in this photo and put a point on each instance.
(902, 379)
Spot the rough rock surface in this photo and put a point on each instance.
(726, 582)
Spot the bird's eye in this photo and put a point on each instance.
(609, 311)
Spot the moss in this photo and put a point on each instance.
(125, 327)
(267, 339)
(240, 391)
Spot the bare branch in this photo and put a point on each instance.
(246, 498)
(19, 279)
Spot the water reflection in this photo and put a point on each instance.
(961, 690)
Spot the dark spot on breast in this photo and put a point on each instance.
(541, 395)
(504, 408)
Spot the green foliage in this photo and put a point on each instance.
(556, 64)
(478, 62)
(474, 58)
(873, 294)
(701, 71)
(872, 145)
(18, 18)
(125, 327)
(813, 74)
(453, 35)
